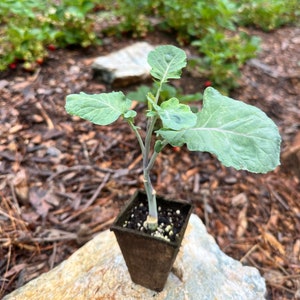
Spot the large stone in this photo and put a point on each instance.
(98, 271)
(126, 66)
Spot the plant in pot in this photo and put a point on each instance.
(150, 229)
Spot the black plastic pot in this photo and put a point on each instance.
(149, 259)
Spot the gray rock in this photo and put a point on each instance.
(126, 66)
(98, 271)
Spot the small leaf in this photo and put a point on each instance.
(240, 135)
(140, 94)
(158, 146)
(175, 115)
(191, 97)
(100, 109)
(166, 62)
(151, 113)
(130, 114)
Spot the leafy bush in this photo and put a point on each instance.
(27, 26)
(21, 33)
(224, 55)
(211, 26)
(192, 19)
(189, 18)
(72, 23)
(268, 15)
(134, 15)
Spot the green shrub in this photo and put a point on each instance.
(192, 19)
(210, 26)
(27, 26)
(134, 15)
(268, 15)
(72, 23)
(21, 33)
(189, 18)
(224, 55)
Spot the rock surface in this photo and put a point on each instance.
(98, 271)
(126, 66)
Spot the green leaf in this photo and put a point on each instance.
(130, 114)
(166, 62)
(100, 109)
(191, 97)
(139, 94)
(151, 113)
(240, 135)
(175, 115)
(158, 146)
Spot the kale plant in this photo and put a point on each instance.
(240, 135)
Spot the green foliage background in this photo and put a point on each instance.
(28, 26)
(216, 28)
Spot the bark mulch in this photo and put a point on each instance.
(63, 180)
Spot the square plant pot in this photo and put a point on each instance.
(149, 258)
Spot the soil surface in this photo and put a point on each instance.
(171, 218)
(63, 180)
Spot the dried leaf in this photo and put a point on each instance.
(30, 216)
(189, 173)
(242, 222)
(270, 239)
(273, 221)
(14, 270)
(37, 139)
(37, 198)
(296, 251)
(221, 228)
(240, 199)
(20, 184)
(16, 128)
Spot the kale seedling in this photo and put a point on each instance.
(240, 135)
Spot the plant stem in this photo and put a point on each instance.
(148, 162)
(147, 165)
(134, 128)
(154, 155)
(151, 194)
(152, 219)
(158, 92)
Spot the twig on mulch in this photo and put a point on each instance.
(77, 168)
(97, 192)
(85, 207)
(45, 115)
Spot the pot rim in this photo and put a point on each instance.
(127, 206)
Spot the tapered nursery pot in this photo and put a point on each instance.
(149, 259)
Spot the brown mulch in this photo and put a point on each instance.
(63, 180)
